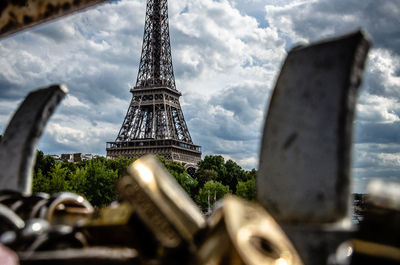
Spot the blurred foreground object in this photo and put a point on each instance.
(304, 174)
(242, 232)
(378, 240)
(304, 171)
(161, 202)
(18, 144)
(7, 256)
(16, 15)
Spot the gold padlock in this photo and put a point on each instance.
(242, 232)
(161, 203)
(111, 226)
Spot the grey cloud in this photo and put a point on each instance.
(378, 171)
(9, 90)
(99, 87)
(244, 101)
(231, 124)
(379, 18)
(55, 32)
(380, 74)
(237, 150)
(375, 161)
(378, 132)
(52, 145)
(391, 148)
(93, 113)
(227, 116)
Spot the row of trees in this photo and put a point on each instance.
(95, 179)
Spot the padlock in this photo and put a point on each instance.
(161, 203)
(242, 232)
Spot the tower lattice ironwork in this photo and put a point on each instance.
(154, 122)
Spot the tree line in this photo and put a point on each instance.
(96, 179)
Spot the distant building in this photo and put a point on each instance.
(55, 157)
(88, 157)
(67, 157)
(77, 157)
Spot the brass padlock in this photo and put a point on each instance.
(112, 226)
(161, 203)
(242, 232)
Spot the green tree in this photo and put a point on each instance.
(95, 179)
(216, 163)
(228, 173)
(70, 166)
(249, 175)
(43, 163)
(211, 189)
(99, 187)
(246, 189)
(177, 170)
(188, 183)
(78, 181)
(234, 173)
(58, 179)
(40, 182)
(175, 167)
(204, 175)
(162, 160)
(119, 164)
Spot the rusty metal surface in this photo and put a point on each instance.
(304, 169)
(18, 144)
(16, 15)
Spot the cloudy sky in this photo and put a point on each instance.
(226, 56)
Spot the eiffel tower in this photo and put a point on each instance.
(154, 122)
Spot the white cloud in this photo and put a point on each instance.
(384, 73)
(72, 101)
(79, 135)
(375, 161)
(390, 159)
(374, 108)
(220, 47)
(7, 109)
